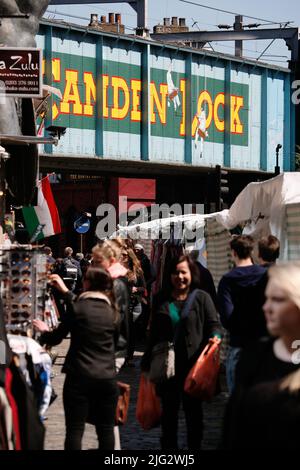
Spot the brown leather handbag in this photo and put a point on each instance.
(123, 403)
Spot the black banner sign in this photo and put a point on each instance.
(21, 72)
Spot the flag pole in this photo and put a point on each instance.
(49, 174)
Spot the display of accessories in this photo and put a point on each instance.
(51, 314)
(23, 285)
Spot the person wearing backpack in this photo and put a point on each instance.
(71, 270)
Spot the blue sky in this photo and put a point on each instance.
(271, 10)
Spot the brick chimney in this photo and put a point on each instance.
(114, 24)
(171, 27)
(94, 20)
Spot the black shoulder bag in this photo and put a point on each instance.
(162, 366)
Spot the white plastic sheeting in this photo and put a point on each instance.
(263, 206)
(162, 227)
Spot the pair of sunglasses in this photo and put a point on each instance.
(17, 272)
(20, 257)
(15, 306)
(17, 289)
(18, 323)
(16, 280)
(20, 313)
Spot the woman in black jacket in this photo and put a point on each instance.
(90, 384)
(192, 334)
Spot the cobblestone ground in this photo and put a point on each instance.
(132, 435)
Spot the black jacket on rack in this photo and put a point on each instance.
(32, 431)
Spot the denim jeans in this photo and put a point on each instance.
(233, 357)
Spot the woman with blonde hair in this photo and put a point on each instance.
(108, 256)
(264, 409)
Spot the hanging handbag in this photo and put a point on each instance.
(201, 381)
(162, 366)
(148, 407)
(122, 404)
(121, 408)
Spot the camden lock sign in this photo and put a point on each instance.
(21, 72)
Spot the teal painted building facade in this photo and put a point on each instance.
(126, 98)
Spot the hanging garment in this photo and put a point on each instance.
(14, 408)
(32, 430)
(35, 364)
(6, 423)
(44, 372)
(51, 314)
(3, 438)
(5, 352)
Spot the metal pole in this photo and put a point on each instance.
(81, 243)
(238, 26)
(277, 167)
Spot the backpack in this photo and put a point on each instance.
(70, 269)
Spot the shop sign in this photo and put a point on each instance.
(21, 72)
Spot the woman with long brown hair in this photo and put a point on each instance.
(137, 287)
(90, 384)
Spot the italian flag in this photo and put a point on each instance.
(45, 213)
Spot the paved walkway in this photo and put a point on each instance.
(133, 437)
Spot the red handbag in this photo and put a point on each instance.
(202, 379)
(148, 407)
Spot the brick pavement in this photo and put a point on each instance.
(132, 435)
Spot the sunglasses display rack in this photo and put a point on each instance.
(23, 285)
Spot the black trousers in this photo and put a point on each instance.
(172, 395)
(83, 396)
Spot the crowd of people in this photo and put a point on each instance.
(105, 303)
(100, 309)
